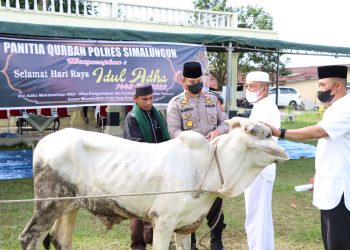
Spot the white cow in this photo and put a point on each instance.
(73, 162)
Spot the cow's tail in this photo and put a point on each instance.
(47, 242)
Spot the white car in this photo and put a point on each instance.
(287, 96)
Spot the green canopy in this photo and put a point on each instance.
(214, 42)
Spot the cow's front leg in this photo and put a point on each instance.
(162, 231)
(183, 241)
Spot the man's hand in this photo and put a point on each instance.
(213, 134)
(311, 181)
(275, 131)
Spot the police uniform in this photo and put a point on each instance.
(201, 114)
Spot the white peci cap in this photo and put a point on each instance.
(257, 76)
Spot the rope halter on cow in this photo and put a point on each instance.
(198, 191)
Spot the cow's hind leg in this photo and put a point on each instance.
(62, 230)
(183, 241)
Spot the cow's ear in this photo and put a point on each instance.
(227, 122)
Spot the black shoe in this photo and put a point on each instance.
(193, 246)
(215, 241)
(138, 248)
(217, 245)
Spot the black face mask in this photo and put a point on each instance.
(195, 88)
(325, 96)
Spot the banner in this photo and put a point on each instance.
(36, 73)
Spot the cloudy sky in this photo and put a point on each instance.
(324, 22)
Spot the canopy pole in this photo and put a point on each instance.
(277, 76)
(231, 89)
(229, 79)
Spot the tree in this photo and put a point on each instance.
(217, 60)
(252, 17)
(215, 5)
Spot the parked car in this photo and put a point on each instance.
(287, 96)
(243, 103)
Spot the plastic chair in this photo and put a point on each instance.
(32, 111)
(46, 112)
(15, 113)
(4, 115)
(63, 112)
(102, 117)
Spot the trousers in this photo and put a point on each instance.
(141, 233)
(259, 222)
(335, 227)
(212, 217)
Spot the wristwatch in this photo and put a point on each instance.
(283, 132)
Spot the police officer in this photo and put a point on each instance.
(199, 111)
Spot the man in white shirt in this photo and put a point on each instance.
(332, 161)
(258, 196)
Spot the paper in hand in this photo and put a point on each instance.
(305, 187)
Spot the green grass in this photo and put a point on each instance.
(296, 221)
(303, 119)
(17, 146)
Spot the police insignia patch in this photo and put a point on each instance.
(189, 123)
(184, 103)
(212, 119)
(208, 100)
(188, 114)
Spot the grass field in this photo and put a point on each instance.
(296, 221)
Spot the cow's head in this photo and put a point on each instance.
(244, 152)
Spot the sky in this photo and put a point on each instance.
(322, 22)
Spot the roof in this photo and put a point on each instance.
(214, 42)
(302, 74)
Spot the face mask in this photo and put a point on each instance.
(252, 96)
(195, 88)
(325, 96)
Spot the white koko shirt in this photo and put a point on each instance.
(332, 177)
(266, 110)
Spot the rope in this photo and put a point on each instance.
(199, 188)
(102, 196)
(220, 213)
(208, 231)
(196, 192)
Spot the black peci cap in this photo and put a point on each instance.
(332, 71)
(192, 70)
(143, 89)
